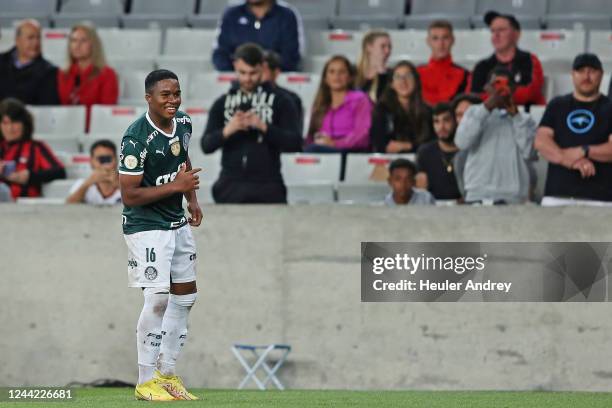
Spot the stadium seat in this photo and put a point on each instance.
(450, 7)
(92, 7)
(303, 84)
(365, 23)
(68, 20)
(527, 22)
(77, 166)
(60, 120)
(421, 22)
(379, 8)
(113, 119)
(333, 42)
(7, 38)
(131, 87)
(314, 64)
(187, 50)
(15, 10)
(600, 43)
(310, 178)
(535, 8)
(87, 139)
(362, 193)
(209, 85)
(553, 44)
(316, 8)
(216, 7)
(163, 7)
(409, 44)
(57, 189)
(584, 14)
(130, 43)
(472, 44)
(54, 45)
(154, 21)
(144, 63)
(199, 117)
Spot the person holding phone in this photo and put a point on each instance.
(25, 164)
(102, 186)
(497, 140)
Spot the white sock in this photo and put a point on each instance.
(148, 332)
(174, 331)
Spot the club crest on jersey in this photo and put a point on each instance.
(130, 162)
(150, 273)
(175, 146)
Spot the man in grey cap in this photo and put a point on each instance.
(575, 136)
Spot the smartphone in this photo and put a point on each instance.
(9, 167)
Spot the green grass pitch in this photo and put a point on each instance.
(123, 397)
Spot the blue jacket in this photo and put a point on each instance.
(280, 30)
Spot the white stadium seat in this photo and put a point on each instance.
(410, 45)
(553, 44)
(303, 84)
(209, 86)
(130, 42)
(54, 45)
(334, 42)
(600, 43)
(7, 38)
(78, 166)
(57, 189)
(113, 119)
(187, 50)
(310, 178)
(472, 44)
(59, 126)
(90, 138)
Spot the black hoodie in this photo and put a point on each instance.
(252, 155)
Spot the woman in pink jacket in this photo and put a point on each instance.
(341, 116)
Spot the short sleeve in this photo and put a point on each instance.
(132, 157)
(548, 118)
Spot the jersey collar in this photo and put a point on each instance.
(161, 131)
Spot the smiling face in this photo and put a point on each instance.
(164, 98)
(11, 131)
(403, 81)
(587, 81)
(337, 76)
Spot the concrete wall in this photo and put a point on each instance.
(291, 274)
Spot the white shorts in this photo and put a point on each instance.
(157, 258)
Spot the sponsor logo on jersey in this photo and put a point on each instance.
(151, 136)
(150, 273)
(160, 152)
(167, 178)
(132, 263)
(130, 162)
(186, 138)
(183, 120)
(143, 156)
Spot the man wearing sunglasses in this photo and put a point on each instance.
(102, 186)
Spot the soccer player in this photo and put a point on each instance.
(154, 174)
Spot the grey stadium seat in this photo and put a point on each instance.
(450, 7)
(68, 20)
(162, 13)
(365, 23)
(114, 7)
(13, 10)
(316, 8)
(585, 14)
(535, 8)
(216, 7)
(371, 8)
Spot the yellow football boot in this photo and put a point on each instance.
(174, 386)
(152, 390)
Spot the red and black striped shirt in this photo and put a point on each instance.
(36, 157)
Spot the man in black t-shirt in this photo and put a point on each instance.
(575, 136)
(435, 158)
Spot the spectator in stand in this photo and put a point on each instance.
(24, 73)
(271, 69)
(253, 123)
(526, 68)
(273, 25)
(402, 174)
(401, 120)
(372, 72)
(498, 140)
(461, 103)
(575, 136)
(25, 164)
(87, 80)
(441, 79)
(341, 116)
(102, 186)
(435, 159)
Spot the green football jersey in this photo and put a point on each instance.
(158, 156)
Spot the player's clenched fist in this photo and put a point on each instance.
(187, 180)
